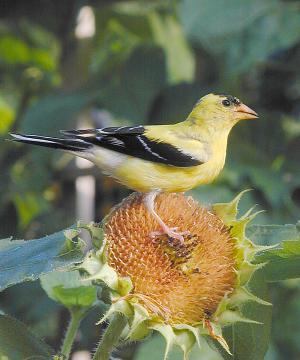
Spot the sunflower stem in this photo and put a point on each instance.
(76, 317)
(111, 337)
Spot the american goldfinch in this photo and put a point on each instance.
(154, 158)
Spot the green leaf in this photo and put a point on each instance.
(27, 260)
(18, 342)
(126, 25)
(142, 78)
(55, 112)
(120, 28)
(132, 16)
(248, 341)
(210, 194)
(167, 33)
(282, 263)
(83, 296)
(272, 234)
(69, 289)
(28, 206)
(14, 51)
(6, 115)
(269, 182)
(175, 102)
(276, 30)
(207, 20)
(244, 33)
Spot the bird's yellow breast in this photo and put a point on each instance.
(145, 176)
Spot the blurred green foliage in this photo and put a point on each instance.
(148, 62)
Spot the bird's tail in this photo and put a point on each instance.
(52, 142)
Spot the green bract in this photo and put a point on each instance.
(141, 321)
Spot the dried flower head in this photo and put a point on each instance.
(181, 290)
(178, 283)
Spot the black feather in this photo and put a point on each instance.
(128, 140)
(131, 141)
(113, 130)
(56, 143)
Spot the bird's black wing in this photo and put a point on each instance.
(132, 141)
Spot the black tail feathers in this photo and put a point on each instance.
(56, 143)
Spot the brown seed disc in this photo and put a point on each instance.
(178, 283)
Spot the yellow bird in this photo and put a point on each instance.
(154, 158)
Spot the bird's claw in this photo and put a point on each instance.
(172, 234)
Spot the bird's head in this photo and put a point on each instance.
(221, 111)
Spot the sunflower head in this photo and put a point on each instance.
(181, 290)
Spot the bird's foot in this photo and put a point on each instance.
(172, 233)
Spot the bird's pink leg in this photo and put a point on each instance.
(149, 199)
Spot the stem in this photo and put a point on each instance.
(111, 337)
(73, 326)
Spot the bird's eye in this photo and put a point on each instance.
(226, 102)
(236, 101)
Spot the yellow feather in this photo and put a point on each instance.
(145, 176)
(203, 135)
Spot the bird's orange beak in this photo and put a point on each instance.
(243, 112)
